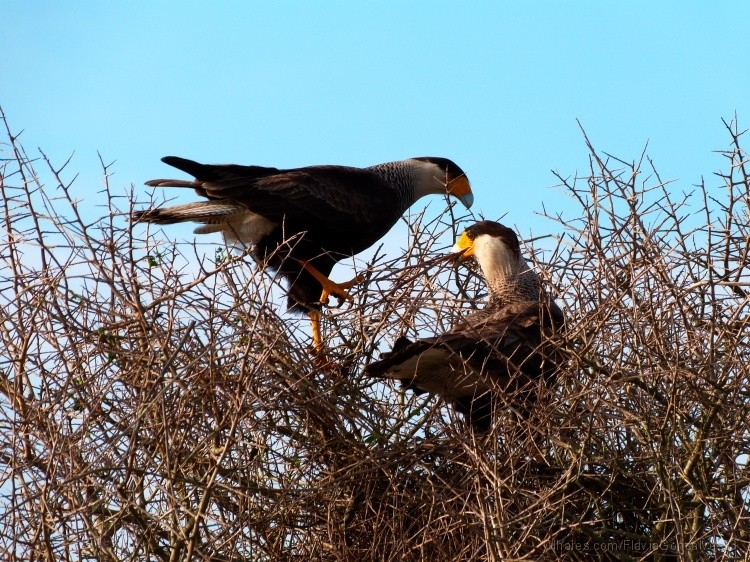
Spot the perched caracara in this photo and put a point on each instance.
(499, 349)
(302, 221)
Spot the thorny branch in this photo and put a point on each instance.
(158, 404)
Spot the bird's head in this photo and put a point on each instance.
(496, 249)
(440, 175)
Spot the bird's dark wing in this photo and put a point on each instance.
(345, 198)
(497, 342)
(339, 197)
(495, 349)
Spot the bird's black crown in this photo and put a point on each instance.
(451, 168)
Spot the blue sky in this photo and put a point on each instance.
(497, 87)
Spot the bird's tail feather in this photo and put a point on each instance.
(207, 212)
(212, 173)
(174, 183)
(195, 169)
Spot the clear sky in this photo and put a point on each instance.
(495, 86)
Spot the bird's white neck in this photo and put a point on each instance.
(429, 179)
(509, 277)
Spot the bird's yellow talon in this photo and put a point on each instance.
(331, 288)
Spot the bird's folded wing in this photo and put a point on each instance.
(344, 198)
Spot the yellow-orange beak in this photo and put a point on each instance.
(465, 246)
(461, 189)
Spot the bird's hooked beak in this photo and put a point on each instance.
(460, 188)
(463, 248)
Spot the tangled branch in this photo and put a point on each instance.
(156, 403)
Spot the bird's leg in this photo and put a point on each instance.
(319, 350)
(318, 347)
(329, 288)
(338, 290)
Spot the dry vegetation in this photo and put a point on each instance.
(157, 404)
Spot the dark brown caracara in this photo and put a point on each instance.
(498, 349)
(302, 221)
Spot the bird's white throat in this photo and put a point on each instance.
(509, 277)
(429, 178)
(498, 262)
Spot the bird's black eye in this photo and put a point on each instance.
(471, 234)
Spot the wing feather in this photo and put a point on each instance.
(493, 349)
(338, 198)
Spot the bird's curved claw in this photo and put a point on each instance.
(338, 290)
(331, 288)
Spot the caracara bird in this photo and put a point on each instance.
(500, 349)
(302, 221)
